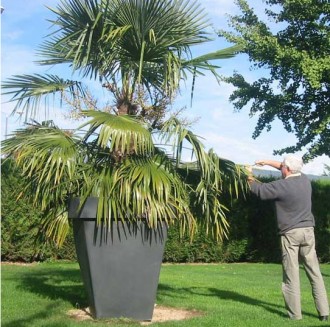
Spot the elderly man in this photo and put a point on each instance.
(292, 196)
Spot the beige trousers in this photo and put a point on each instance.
(299, 244)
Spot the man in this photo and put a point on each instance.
(292, 196)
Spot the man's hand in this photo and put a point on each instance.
(249, 169)
(271, 163)
(261, 162)
(250, 174)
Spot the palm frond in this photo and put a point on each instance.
(209, 176)
(211, 56)
(56, 229)
(173, 132)
(119, 133)
(29, 90)
(48, 157)
(145, 39)
(150, 191)
(199, 65)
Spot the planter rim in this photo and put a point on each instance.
(89, 211)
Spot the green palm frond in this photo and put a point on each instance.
(139, 187)
(234, 178)
(201, 61)
(150, 191)
(80, 27)
(48, 157)
(173, 132)
(29, 90)
(119, 133)
(145, 40)
(199, 65)
(56, 228)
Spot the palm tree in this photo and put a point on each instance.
(139, 50)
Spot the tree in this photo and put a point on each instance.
(297, 92)
(140, 51)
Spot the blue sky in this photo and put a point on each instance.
(24, 25)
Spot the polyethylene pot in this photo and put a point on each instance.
(120, 266)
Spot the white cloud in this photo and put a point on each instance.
(17, 59)
(316, 167)
(239, 150)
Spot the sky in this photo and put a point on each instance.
(24, 27)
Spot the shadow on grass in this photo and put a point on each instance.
(278, 310)
(234, 296)
(30, 320)
(55, 284)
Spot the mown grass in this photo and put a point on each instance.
(227, 294)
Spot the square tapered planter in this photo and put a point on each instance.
(120, 266)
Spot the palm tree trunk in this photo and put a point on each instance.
(123, 108)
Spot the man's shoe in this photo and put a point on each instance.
(324, 318)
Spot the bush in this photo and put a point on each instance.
(202, 249)
(20, 224)
(321, 210)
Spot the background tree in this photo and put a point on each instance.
(297, 92)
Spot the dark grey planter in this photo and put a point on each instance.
(120, 267)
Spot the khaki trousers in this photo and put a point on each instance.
(298, 244)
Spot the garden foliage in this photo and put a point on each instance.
(253, 232)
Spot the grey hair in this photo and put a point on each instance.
(293, 162)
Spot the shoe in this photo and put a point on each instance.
(324, 318)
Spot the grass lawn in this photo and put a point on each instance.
(228, 294)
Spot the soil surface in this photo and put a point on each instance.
(161, 314)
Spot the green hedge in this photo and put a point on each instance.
(321, 210)
(20, 224)
(253, 231)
